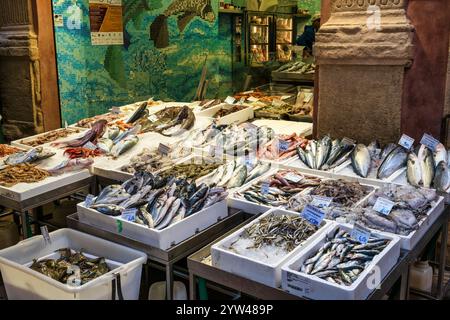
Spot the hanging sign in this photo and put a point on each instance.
(106, 22)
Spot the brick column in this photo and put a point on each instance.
(20, 87)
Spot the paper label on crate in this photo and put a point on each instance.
(429, 141)
(241, 101)
(163, 149)
(406, 141)
(252, 99)
(89, 145)
(44, 232)
(89, 200)
(283, 145)
(116, 110)
(265, 187)
(308, 97)
(129, 214)
(119, 225)
(321, 202)
(153, 118)
(299, 284)
(360, 233)
(383, 205)
(230, 100)
(248, 92)
(313, 215)
(295, 178)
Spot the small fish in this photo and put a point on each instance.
(442, 177)
(414, 170)
(105, 145)
(71, 165)
(124, 145)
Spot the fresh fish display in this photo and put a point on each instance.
(440, 154)
(414, 170)
(361, 160)
(282, 147)
(29, 156)
(124, 145)
(6, 150)
(228, 109)
(24, 172)
(50, 136)
(70, 166)
(325, 154)
(442, 177)
(395, 160)
(343, 192)
(159, 201)
(59, 269)
(189, 170)
(341, 259)
(107, 117)
(80, 152)
(411, 207)
(278, 188)
(201, 137)
(96, 131)
(297, 67)
(140, 112)
(149, 160)
(171, 121)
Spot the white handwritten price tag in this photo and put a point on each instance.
(406, 141)
(360, 234)
(44, 232)
(230, 100)
(153, 118)
(283, 145)
(295, 178)
(429, 141)
(383, 205)
(65, 124)
(90, 145)
(313, 215)
(298, 284)
(241, 101)
(163, 149)
(129, 214)
(89, 200)
(321, 202)
(248, 92)
(265, 187)
(115, 110)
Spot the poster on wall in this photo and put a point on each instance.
(106, 22)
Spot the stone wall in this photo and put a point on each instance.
(19, 66)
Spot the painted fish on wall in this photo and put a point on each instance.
(186, 10)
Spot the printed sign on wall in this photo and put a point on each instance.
(106, 22)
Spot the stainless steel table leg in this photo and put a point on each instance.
(192, 286)
(24, 218)
(169, 281)
(94, 186)
(442, 260)
(404, 285)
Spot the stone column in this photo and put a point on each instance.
(362, 52)
(20, 97)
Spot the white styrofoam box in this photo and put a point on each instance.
(285, 127)
(162, 239)
(346, 169)
(310, 286)
(233, 118)
(21, 282)
(74, 135)
(256, 270)
(409, 242)
(297, 164)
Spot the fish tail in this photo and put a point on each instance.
(159, 32)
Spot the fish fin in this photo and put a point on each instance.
(184, 19)
(159, 32)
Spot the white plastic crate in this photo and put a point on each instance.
(256, 270)
(162, 239)
(310, 286)
(21, 282)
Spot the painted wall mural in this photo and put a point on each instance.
(165, 46)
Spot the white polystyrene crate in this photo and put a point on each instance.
(162, 239)
(21, 282)
(409, 242)
(265, 273)
(312, 287)
(74, 135)
(233, 118)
